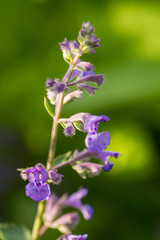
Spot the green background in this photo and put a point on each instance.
(127, 199)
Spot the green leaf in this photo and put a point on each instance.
(61, 158)
(48, 107)
(10, 231)
(79, 125)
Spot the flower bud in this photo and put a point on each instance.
(51, 96)
(87, 38)
(85, 67)
(55, 177)
(70, 49)
(87, 78)
(53, 208)
(72, 96)
(50, 83)
(69, 131)
(66, 222)
(59, 87)
(89, 89)
(89, 169)
(24, 175)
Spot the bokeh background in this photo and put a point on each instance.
(127, 199)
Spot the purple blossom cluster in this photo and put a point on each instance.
(80, 75)
(38, 189)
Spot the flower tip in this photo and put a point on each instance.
(108, 166)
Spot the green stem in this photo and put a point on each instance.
(59, 103)
(54, 132)
(38, 220)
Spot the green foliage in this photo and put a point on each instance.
(13, 232)
(79, 125)
(48, 107)
(61, 158)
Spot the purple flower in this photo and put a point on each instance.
(59, 87)
(74, 200)
(69, 130)
(73, 237)
(87, 38)
(87, 88)
(86, 29)
(86, 77)
(79, 117)
(87, 169)
(84, 66)
(52, 210)
(73, 45)
(85, 74)
(92, 122)
(108, 166)
(81, 75)
(37, 193)
(66, 222)
(90, 77)
(83, 69)
(69, 49)
(36, 188)
(78, 120)
(77, 237)
(55, 177)
(104, 156)
(54, 87)
(95, 142)
(50, 83)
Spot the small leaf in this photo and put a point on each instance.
(48, 107)
(61, 158)
(79, 125)
(63, 122)
(10, 231)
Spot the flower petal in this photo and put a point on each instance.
(95, 142)
(37, 193)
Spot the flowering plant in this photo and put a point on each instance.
(80, 75)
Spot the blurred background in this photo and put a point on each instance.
(127, 199)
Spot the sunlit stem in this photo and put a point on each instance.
(58, 109)
(59, 103)
(38, 220)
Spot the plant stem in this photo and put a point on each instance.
(52, 148)
(38, 220)
(80, 156)
(58, 109)
(59, 103)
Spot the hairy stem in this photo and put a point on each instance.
(59, 103)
